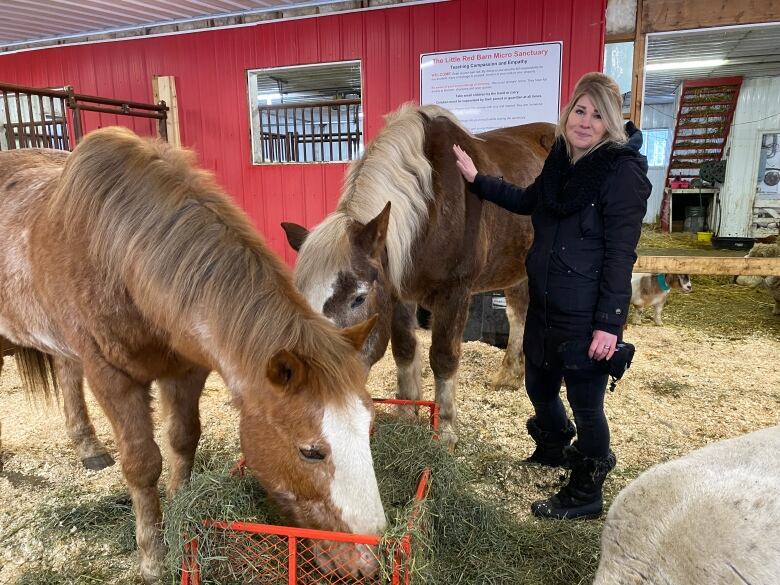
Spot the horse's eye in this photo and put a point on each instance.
(312, 454)
(359, 300)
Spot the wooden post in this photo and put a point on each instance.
(638, 69)
(164, 88)
(733, 266)
(75, 115)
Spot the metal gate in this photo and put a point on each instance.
(33, 117)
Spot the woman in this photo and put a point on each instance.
(586, 207)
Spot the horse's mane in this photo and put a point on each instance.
(189, 257)
(393, 168)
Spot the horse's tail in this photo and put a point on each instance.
(36, 369)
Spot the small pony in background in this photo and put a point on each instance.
(651, 290)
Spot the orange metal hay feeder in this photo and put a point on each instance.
(284, 555)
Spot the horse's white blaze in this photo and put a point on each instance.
(319, 294)
(354, 489)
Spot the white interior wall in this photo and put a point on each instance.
(657, 116)
(758, 110)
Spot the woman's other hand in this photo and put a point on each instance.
(465, 164)
(602, 346)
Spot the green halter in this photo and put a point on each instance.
(661, 278)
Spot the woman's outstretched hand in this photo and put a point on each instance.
(465, 164)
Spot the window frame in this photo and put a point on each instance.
(255, 158)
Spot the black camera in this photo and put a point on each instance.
(574, 356)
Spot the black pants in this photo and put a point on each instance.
(585, 391)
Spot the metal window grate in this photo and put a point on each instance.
(310, 113)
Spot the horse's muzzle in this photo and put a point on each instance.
(345, 560)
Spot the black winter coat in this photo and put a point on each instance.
(587, 221)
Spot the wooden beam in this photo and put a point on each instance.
(667, 15)
(624, 37)
(164, 88)
(733, 266)
(638, 69)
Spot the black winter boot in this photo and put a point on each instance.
(549, 444)
(582, 496)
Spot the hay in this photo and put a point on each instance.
(717, 305)
(720, 307)
(402, 449)
(653, 238)
(459, 537)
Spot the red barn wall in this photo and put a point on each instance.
(210, 70)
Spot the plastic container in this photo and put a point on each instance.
(694, 218)
(704, 236)
(487, 321)
(732, 243)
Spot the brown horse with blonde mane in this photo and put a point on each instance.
(406, 230)
(127, 260)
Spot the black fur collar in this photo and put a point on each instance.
(568, 188)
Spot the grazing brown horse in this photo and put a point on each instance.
(134, 264)
(406, 231)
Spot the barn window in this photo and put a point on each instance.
(618, 64)
(308, 113)
(655, 146)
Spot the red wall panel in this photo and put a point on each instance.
(210, 69)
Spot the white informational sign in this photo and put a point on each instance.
(495, 87)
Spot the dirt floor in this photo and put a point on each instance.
(686, 388)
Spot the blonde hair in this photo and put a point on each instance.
(605, 94)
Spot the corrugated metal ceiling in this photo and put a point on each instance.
(307, 83)
(25, 21)
(750, 52)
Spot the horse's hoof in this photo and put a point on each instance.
(505, 380)
(98, 462)
(150, 576)
(152, 568)
(407, 411)
(449, 439)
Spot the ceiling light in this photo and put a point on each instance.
(686, 65)
(268, 98)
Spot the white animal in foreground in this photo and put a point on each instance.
(709, 518)
(651, 290)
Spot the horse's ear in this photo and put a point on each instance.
(296, 234)
(287, 370)
(357, 334)
(547, 140)
(371, 237)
